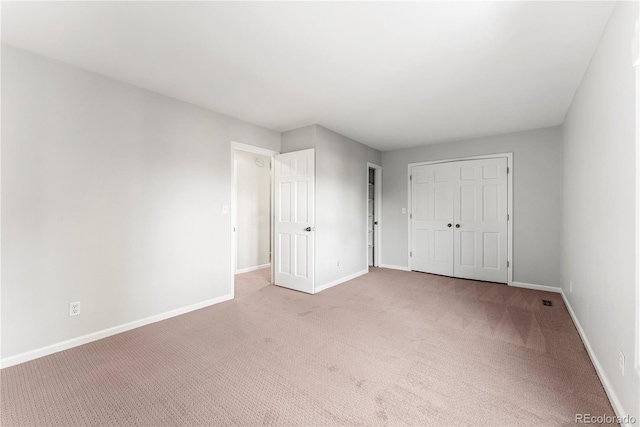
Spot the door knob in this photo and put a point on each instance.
(457, 225)
(375, 223)
(307, 229)
(448, 225)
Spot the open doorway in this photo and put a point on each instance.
(374, 211)
(251, 219)
(253, 211)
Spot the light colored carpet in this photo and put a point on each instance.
(388, 348)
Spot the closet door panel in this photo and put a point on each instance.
(432, 212)
(480, 216)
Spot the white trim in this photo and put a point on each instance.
(377, 239)
(606, 384)
(248, 269)
(509, 157)
(408, 215)
(395, 267)
(341, 280)
(252, 149)
(233, 209)
(94, 336)
(234, 218)
(637, 257)
(635, 44)
(536, 287)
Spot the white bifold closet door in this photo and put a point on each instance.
(432, 218)
(459, 219)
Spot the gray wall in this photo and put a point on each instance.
(253, 207)
(599, 205)
(299, 139)
(374, 156)
(341, 193)
(112, 196)
(537, 198)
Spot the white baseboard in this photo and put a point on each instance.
(536, 287)
(611, 394)
(341, 280)
(248, 269)
(94, 336)
(395, 267)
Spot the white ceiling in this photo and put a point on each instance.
(388, 74)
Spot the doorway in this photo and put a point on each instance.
(251, 212)
(374, 214)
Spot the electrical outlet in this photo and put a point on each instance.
(570, 286)
(622, 364)
(74, 308)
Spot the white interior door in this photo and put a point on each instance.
(459, 221)
(432, 218)
(480, 210)
(294, 210)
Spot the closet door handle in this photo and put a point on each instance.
(307, 229)
(457, 225)
(449, 225)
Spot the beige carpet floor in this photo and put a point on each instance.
(389, 348)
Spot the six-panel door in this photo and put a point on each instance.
(432, 217)
(459, 219)
(294, 180)
(480, 217)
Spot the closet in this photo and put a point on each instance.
(459, 219)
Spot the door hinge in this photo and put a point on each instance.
(411, 254)
(410, 216)
(507, 217)
(507, 169)
(507, 263)
(410, 177)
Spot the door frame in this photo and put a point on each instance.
(509, 157)
(234, 209)
(377, 208)
(637, 70)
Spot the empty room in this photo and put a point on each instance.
(320, 213)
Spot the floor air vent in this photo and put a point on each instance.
(547, 302)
